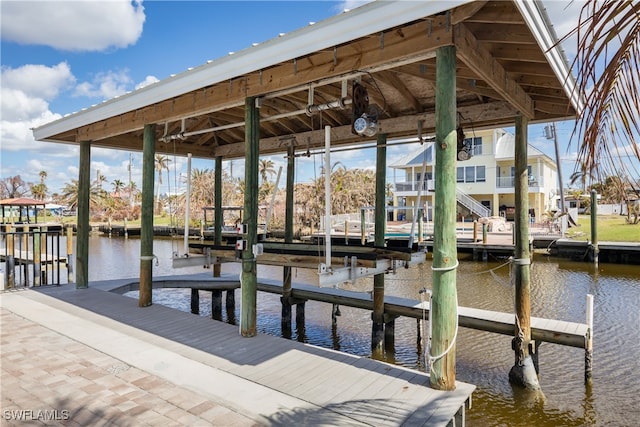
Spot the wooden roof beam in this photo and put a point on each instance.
(466, 11)
(470, 51)
(390, 78)
(481, 115)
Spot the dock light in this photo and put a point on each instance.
(366, 125)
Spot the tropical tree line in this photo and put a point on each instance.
(116, 200)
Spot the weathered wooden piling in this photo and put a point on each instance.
(195, 301)
(10, 278)
(594, 227)
(377, 316)
(69, 254)
(218, 217)
(146, 215)
(231, 305)
(37, 258)
(82, 235)
(216, 304)
(285, 300)
(444, 309)
(588, 349)
(523, 371)
(249, 289)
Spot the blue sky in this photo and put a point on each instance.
(61, 56)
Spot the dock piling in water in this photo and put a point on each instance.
(588, 348)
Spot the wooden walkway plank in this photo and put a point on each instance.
(357, 388)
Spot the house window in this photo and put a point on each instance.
(481, 174)
(475, 145)
(471, 174)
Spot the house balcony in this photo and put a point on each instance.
(506, 184)
(410, 188)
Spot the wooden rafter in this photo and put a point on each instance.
(474, 56)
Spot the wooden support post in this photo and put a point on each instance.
(346, 231)
(285, 320)
(335, 313)
(594, 227)
(218, 214)
(69, 254)
(25, 237)
(377, 316)
(216, 304)
(249, 286)
(588, 348)
(389, 335)
(523, 372)
(420, 225)
(484, 234)
(300, 319)
(475, 230)
(37, 258)
(231, 306)
(82, 235)
(363, 227)
(195, 301)
(146, 216)
(444, 303)
(10, 278)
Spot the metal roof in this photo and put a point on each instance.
(508, 64)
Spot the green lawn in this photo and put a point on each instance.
(611, 228)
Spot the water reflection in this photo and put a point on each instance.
(559, 289)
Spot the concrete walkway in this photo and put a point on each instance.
(49, 378)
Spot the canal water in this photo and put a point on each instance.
(558, 290)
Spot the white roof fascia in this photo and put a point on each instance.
(540, 26)
(367, 19)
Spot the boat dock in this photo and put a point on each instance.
(271, 380)
(542, 330)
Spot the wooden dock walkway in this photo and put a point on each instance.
(299, 384)
(544, 330)
(27, 257)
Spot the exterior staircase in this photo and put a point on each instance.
(472, 204)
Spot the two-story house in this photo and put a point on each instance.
(485, 181)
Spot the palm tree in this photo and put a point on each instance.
(265, 168)
(161, 163)
(69, 194)
(39, 191)
(608, 34)
(118, 186)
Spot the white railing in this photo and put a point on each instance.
(509, 181)
(472, 204)
(414, 186)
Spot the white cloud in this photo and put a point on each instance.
(351, 4)
(147, 81)
(105, 85)
(73, 25)
(27, 90)
(38, 80)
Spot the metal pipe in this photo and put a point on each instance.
(309, 110)
(187, 207)
(327, 195)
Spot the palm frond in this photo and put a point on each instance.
(608, 66)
